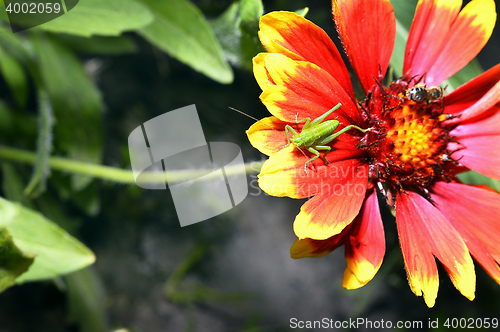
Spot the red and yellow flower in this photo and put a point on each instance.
(412, 152)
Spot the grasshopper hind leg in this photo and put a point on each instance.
(324, 148)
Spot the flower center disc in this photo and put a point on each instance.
(408, 146)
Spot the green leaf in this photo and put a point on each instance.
(237, 29)
(3, 14)
(180, 29)
(15, 77)
(13, 262)
(250, 13)
(397, 58)
(52, 209)
(56, 251)
(6, 118)
(472, 177)
(18, 47)
(37, 184)
(86, 300)
(302, 12)
(98, 17)
(13, 185)
(98, 44)
(76, 102)
(404, 11)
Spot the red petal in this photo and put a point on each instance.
(365, 247)
(283, 173)
(318, 248)
(442, 42)
(475, 213)
(304, 90)
(368, 30)
(469, 93)
(488, 104)
(481, 154)
(424, 233)
(299, 39)
(482, 127)
(428, 32)
(336, 203)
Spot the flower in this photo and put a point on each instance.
(418, 140)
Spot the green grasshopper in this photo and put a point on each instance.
(316, 134)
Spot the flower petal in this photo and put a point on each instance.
(268, 135)
(479, 153)
(336, 203)
(368, 30)
(439, 55)
(475, 213)
(299, 39)
(304, 90)
(365, 247)
(478, 145)
(283, 173)
(482, 127)
(302, 248)
(488, 104)
(260, 71)
(423, 233)
(469, 93)
(429, 31)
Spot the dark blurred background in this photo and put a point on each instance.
(232, 272)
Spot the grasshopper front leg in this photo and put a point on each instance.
(289, 129)
(316, 156)
(314, 150)
(307, 120)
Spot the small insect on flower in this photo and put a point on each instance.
(317, 134)
(420, 92)
(435, 93)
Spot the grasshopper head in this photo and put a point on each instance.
(298, 142)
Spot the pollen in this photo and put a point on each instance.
(413, 137)
(410, 137)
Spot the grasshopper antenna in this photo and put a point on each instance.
(251, 117)
(265, 124)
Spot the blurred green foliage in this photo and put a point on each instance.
(43, 62)
(55, 107)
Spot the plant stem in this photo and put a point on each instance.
(117, 174)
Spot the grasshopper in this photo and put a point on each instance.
(316, 134)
